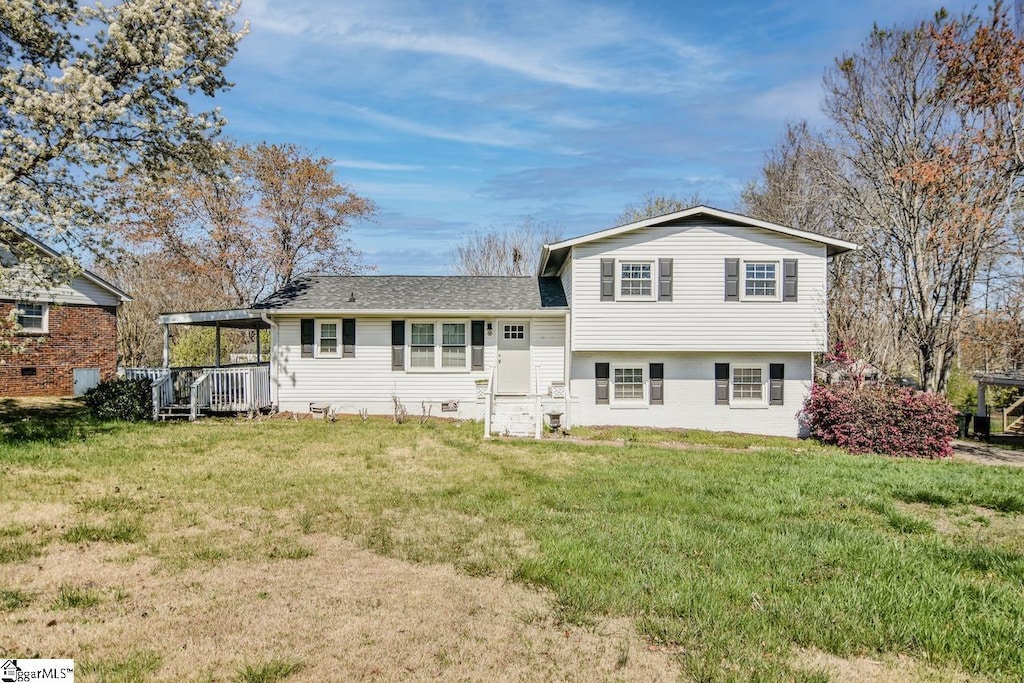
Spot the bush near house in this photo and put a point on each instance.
(121, 399)
(881, 418)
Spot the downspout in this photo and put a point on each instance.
(273, 356)
(567, 370)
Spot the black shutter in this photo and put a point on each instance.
(601, 371)
(776, 375)
(789, 279)
(397, 344)
(306, 336)
(607, 279)
(476, 339)
(348, 338)
(657, 372)
(732, 279)
(665, 279)
(722, 384)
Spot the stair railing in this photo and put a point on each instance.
(201, 395)
(163, 391)
(1013, 415)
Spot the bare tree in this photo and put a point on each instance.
(795, 190)
(652, 205)
(302, 211)
(513, 250)
(156, 287)
(928, 167)
(256, 218)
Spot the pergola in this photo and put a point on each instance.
(1013, 378)
(238, 319)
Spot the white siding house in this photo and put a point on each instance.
(696, 319)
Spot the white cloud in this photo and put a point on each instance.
(492, 135)
(789, 101)
(365, 165)
(582, 47)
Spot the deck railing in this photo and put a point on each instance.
(244, 388)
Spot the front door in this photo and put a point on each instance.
(513, 357)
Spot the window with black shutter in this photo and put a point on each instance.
(476, 340)
(348, 338)
(397, 344)
(601, 374)
(776, 378)
(307, 334)
(657, 374)
(722, 384)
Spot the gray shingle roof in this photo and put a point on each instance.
(417, 292)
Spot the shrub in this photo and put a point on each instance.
(121, 399)
(881, 418)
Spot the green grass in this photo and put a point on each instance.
(733, 549)
(71, 597)
(12, 599)
(268, 672)
(18, 550)
(119, 530)
(136, 667)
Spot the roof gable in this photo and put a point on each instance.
(49, 251)
(553, 255)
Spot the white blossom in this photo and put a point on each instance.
(87, 90)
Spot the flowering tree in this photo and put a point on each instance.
(85, 89)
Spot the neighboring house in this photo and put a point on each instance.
(66, 334)
(696, 319)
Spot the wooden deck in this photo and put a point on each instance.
(193, 392)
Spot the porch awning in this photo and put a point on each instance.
(1003, 379)
(239, 319)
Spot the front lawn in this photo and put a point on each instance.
(734, 555)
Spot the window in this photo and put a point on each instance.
(629, 384)
(748, 384)
(437, 345)
(760, 280)
(514, 332)
(328, 344)
(421, 351)
(635, 279)
(453, 345)
(32, 317)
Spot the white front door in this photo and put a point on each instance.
(513, 357)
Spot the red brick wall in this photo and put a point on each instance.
(77, 337)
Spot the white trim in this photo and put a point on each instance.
(836, 246)
(84, 272)
(619, 296)
(397, 313)
(749, 402)
(45, 326)
(760, 297)
(317, 325)
(642, 402)
(438, 345)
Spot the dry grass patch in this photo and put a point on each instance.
(891, 669)
(343, 612)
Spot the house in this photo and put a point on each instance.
(65, 339)
(698, 319)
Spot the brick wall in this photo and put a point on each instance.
(77, 337)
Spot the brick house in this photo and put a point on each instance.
(66, 335)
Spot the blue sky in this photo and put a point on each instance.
(455, 116)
